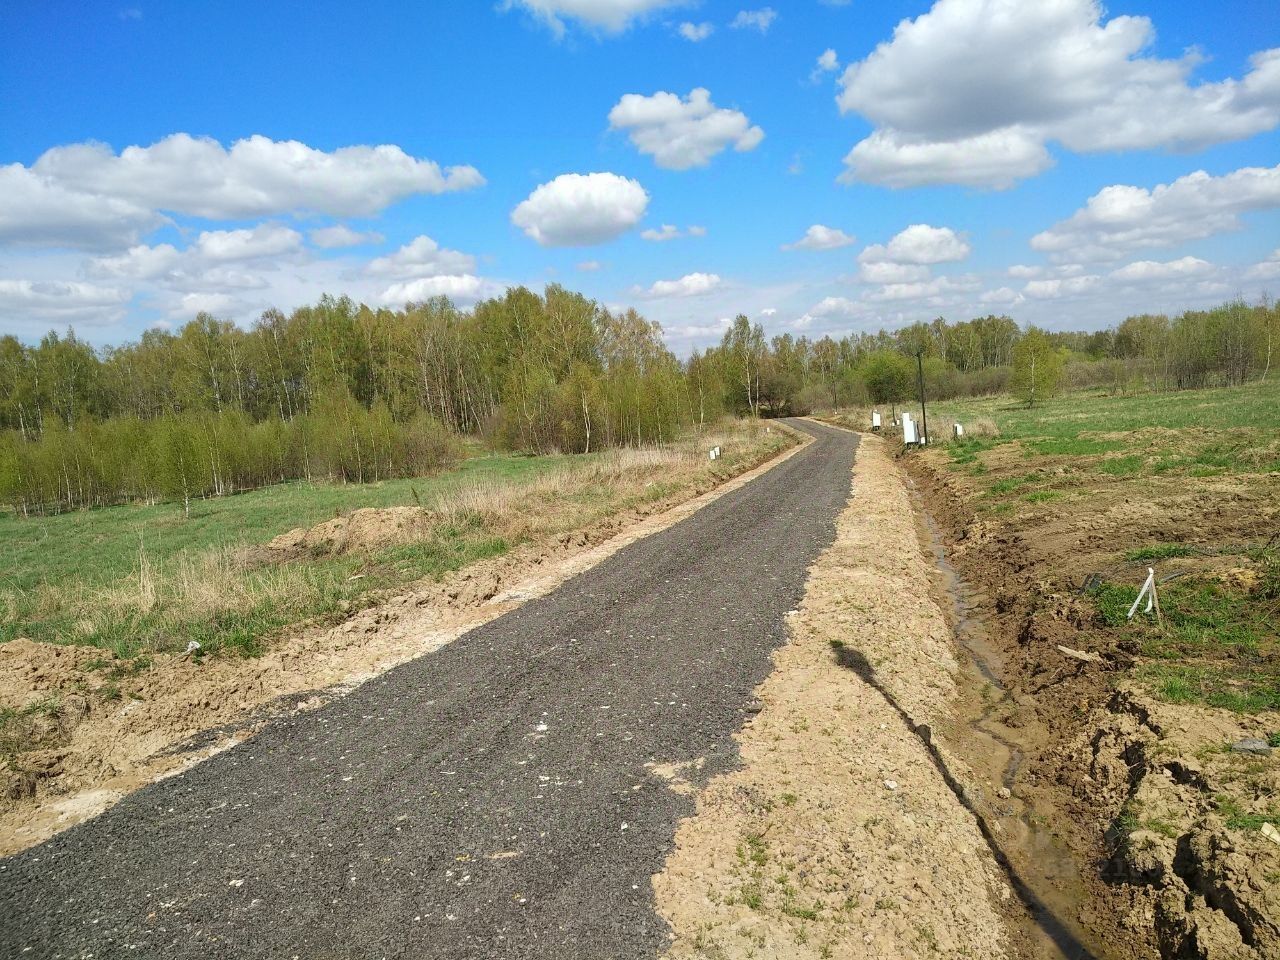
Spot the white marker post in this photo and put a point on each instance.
(875, 421)
(1149, 591)
(957, 431)
(909, 434)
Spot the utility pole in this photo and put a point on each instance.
(924, 413)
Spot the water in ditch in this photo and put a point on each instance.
(1044, 873)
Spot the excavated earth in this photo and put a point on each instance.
(1124, 792)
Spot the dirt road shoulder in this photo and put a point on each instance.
(839, 836)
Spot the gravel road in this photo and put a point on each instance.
(490, 799)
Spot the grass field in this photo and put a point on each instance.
(139, 579)
(1213, 458)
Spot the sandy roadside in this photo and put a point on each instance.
(194, 710)
(838, 836)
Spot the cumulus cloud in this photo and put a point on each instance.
(761, 19)
(690, 285)
(682, 133)
(1001, 295)
(669, 232)
(201, 261)
(581, 209)
(340, 235)
(695, 32)
(35, 209)
(919, 244)
(264, 240)
(462, 288)
(255, 177)
(1268, 269)
(950, 105)
(589, 266)
(1143, 271)
(1119, 219)
(55, 302)
(820, 237)
(611, 16)
(997, 159)
(1060, 287)
(422, 257)
(886, 271)
(927, 291)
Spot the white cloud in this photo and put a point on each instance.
(1001, 295)
(919, 244)
(995, 159)
(54, 302)
(1024, 271)
(695, 32)
(612, 16)
(886, 271)
(828, 61)
(35, 209)
(928, 291)
(682, 133)
(819, 237)
(340, 235)
(1061, 287)
(1268, 269)
(264, 240)
(590, 266)
(204, 262)
(256, 176)
(690, 285)
(1143, 271)
(465, 288)
(422, 257)
(951, 105)
(139, 262)
(761, 19)
(1119, 219)
(581, 209)
(669, 232)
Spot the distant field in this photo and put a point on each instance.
(138, 579)
(1250, 413)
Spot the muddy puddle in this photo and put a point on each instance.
(995, 734)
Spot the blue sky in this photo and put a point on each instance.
(976, 135)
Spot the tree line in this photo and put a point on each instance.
(338, 390)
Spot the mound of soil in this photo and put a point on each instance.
(369, 528)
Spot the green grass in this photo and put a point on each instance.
(1043, 496)
(97, 551)
(1217, 646)
(1166, 551)
(97, 547)
(1238, 818)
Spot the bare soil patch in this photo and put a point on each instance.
(82, 729)
(1120, 753)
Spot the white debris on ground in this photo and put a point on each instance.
(838, 837)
